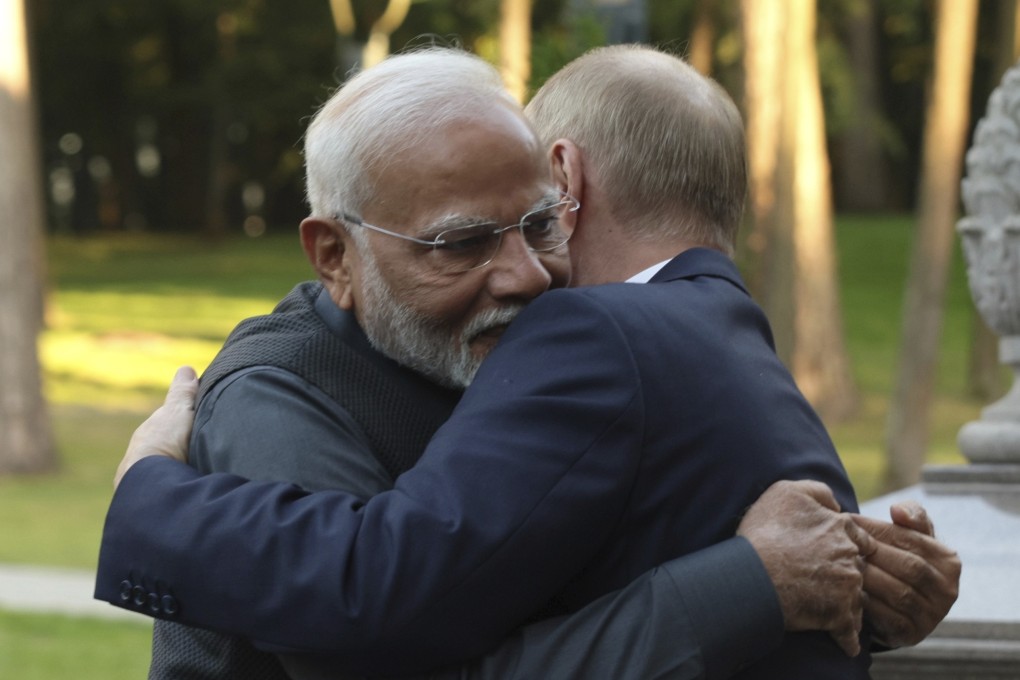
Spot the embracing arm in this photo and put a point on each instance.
(700, 616)
(674, 612)
(511, 499)
(671, 621)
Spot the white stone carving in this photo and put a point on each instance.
(990, 232)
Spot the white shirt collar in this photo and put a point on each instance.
(646, 275)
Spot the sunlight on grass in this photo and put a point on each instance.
(118, 361)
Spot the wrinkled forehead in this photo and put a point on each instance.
(488, 167)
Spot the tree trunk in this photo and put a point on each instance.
(702, 38)
(819, 360)
(515, 46)
(762, 25)
(942, 159)
(26, 443)
(378, 46)
(862, 171)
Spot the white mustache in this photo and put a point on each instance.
(490, 319)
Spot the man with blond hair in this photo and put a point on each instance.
(613, 427)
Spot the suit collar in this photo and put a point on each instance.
(700, 262)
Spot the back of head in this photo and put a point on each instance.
(386, 109)
(666, 144)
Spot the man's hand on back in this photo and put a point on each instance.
(812, 553)
(166, 431)
(911, 580)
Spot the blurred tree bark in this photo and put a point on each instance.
(515, 46)
(945, 134)
(26, 443)
(819, 360)
(702, 38)
(377, 46)
(862, 172)
(762, 27)
(799, 272)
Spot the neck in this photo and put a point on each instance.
(608, 262)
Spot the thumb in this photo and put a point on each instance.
(911, 515)
(183, 389)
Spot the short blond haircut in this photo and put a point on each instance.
(666, 143)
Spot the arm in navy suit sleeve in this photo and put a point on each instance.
(513, 496)
(244, 425)
(700, 616)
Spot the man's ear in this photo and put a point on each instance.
(567, 169)
(332, 254)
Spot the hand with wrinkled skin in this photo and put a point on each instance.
(811, 552)
(911, 580)
(166, 431)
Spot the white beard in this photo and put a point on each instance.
(414, 340)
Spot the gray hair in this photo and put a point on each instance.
(384, 110)
(666, 143)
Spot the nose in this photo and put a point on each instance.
(516, 272)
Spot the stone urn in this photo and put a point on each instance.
(976, 507)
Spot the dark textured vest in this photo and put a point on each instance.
(398, 410)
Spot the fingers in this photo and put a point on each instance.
(903, 538)
(894, 609)
(864, 541)
(166, 431)
(183, 388)
(816, 490)
(911, 581)
(848, 640)
(911, 515)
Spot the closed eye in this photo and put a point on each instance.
(474, 240)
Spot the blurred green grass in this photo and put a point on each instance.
(40, 647)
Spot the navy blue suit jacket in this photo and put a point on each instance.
(613, 428)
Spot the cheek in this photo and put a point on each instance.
(446, 301)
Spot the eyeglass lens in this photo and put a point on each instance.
(466, 248)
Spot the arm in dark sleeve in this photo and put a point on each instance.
(704, 615)
(246, 425)
(514, 495)
(266, 424)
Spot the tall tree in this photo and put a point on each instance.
(377, 46)
(515, 46)
(862, 170)
(819, 359)
(801, 293)
(762, 26)
(26, 443)
(945, 134)
(702, 38)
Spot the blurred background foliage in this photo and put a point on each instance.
(172, 177)
(184, 115)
